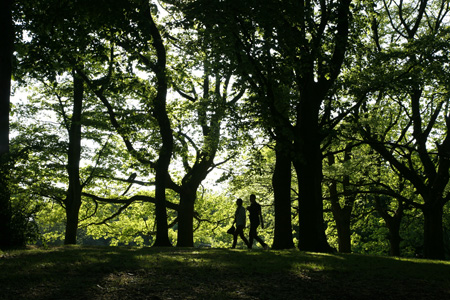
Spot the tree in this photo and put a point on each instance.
(211, 109)
(307, 43)
(342, 210)
(73, 199)
(137, 46)
(354, 178)
(6, 54)
(413, 135)
(73, 35)
(41, 65)
(205, 116)
(160, 113)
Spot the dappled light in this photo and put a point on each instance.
(149, 273)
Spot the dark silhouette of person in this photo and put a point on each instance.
(255, 217)
(239, 219)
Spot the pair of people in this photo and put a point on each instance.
(255, 216)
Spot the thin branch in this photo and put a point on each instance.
(136, 198)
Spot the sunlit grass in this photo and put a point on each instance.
(77, 272)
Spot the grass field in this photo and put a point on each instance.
(147, 273)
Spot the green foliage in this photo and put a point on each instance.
(215, 213)
(23, 226)
(219, 112)
(50, 220)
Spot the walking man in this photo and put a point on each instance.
(255, 217)
(239, 219)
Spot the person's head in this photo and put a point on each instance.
(239, 202)
(252, 198)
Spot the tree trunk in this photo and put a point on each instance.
(6, 51)
(394, 239)
(165, 152)
(73, 199)
(162, 234)
(344, 234)
(313, 87)
(311, 230)
(188, 195)
(281, 182)
(308, 165)
(433, 231)
(72, 211)
(186, 218)
(342, 215)
(6, 239)
(393, 223)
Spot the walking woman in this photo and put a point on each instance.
(239, 219)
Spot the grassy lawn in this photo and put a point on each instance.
(133, 273)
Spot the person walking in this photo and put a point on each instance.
(255, 217)
(239, 219)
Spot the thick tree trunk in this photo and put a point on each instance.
(72, 212)
(6, 50)
(394, 239)
(344, 235)
(73, 199)
(281, 182)
(162, 234)
(309, 173)
(186, 218)
(433, 232)
(310, 211)
(308, 166)
(188, 196)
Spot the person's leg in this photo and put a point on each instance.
(260, 241)
(235, 235)
(245, 240)
(256, 237)
(252, 235)
(240, 231)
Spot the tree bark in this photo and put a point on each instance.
(342, 215)
(6, 52)
(186, 218)
(311, 230)
(393, 223)
(165, 152)
(73, 198)
(313, 87)
(344, 233)
(433, 231)
(394, 239)
(281, 182)
(308, 165)
(188, 195)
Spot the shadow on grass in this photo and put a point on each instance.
(173, 273)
